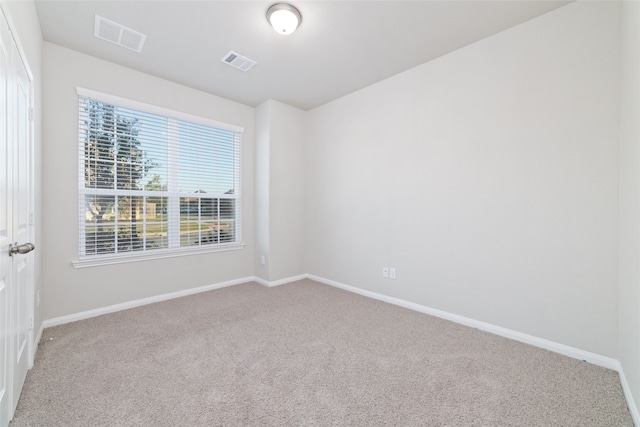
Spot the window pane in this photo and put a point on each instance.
(156, 209)
(227, 220)
(227, 208)
(189, 221)
(99, 224)
(189, 208)
(154, 144)
(189, 233)
(208, 209)
(126, 178)
(132, 165)
(207, 159)
(156, 226)
(130, 209)
(99, 144)
(129, 237)
(99, 165)
(156, 235)
(206, 221)
(128, 212)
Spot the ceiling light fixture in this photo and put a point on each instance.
(284, 18)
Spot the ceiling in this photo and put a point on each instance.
(340, 46)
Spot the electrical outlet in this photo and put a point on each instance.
(392, 273)
(263, 260)
(385, 272)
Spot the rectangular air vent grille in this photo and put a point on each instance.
(238, 61)
(118, 34)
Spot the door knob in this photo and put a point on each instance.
(21, 249)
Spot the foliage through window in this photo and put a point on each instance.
(152, 182)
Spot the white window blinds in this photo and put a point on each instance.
(154, 181)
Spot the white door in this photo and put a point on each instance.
(5, 238)
(16, 229)
(21, 195)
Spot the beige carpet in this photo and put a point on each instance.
(303, 354)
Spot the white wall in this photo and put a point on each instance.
(287, 200)
(280, 190)
(24, 18)
(262, 170)
(68, 290)
(630, 198)
(487, 177)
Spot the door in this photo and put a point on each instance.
(22, 277)
(16, 229)
(5, 208)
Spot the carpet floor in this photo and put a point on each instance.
(303, 354)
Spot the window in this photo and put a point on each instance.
(152, 181)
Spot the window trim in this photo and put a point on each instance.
(127, 257)
(136, 256)
(153, 109)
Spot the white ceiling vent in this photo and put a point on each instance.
(118, 34)
(238, 61)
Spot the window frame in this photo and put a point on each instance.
(169, 252)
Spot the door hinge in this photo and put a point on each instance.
(31, 324)
(30, 114)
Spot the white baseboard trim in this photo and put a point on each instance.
(38, 335)
(261, 281)
(150, 300)
(586, 356)
(281, 281)
(627, 394)
(566, 350)
(34, 346)
(36, 341)
(572, 352)
(137, 303)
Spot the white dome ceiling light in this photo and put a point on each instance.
(284, 18)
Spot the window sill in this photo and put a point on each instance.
(158, 254)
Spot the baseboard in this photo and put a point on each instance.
(150, 300)
(572, 352)
(34, 346)
(575, 353)
(39, 335)
(586, 356)
(281, 281)
(38, 338)
(261, 281)
(137, 303)
(633, 409)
